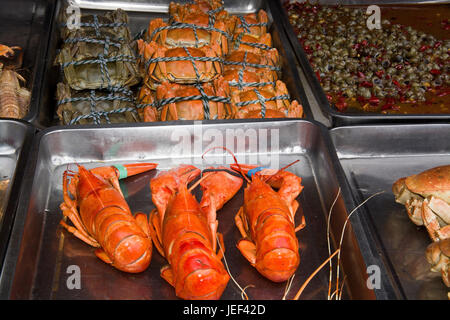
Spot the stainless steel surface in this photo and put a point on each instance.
(25, 24)
(373, 158)
(320, 107)
(233, 6)
(140, 13)
(14, 136)
(42, 251)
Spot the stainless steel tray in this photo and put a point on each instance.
(341, 118)
(373, 158)
(15, 141)
(25, 24)
(140, 12)
(41, 251)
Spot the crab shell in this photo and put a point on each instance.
(199, 13)
(203, 6)
(188, 37)
(178, 71)
(279, 108)
(253, 19)
(426, 197)
(270, 59)
(148, 113)
(244, 43)
(233, 78)
(193, 109)
(438, 255)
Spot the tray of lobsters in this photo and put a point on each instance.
(373, 62)
(23, 44)
(163, 212)
(110, 62)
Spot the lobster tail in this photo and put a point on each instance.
(124, 243)
(201, 274)
(277, 255)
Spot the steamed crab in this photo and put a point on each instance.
(426, 197)
(193, 108)
(252, 44)
(180, 65)
(265, 102)
(438, 255)
(202, 13)
(267, 63)
(243, 80)
(189, 36)
(252, 24)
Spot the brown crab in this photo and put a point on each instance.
(438, 255)
(193, 109)
(182, 69)
(426, 197)
(265, 102)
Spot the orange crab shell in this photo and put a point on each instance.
(193, 109)
(258, 21)
(269, 62)
(188, 37)
(279, 108)
(232, 76)
(200, 14)
(244, 43)
(178, 71)
(148, 113)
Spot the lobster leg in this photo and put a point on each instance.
(167, 274)
(155, 231)
(245, 246)
(69, 210)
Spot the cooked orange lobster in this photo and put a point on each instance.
(185, 232)
(102, 218)
(266, 222)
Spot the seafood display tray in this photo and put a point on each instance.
(340, 118)
(376, 157)
(41, 251)
(139, 14)
(15, 141)
(25, 24)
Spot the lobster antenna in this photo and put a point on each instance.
(343, 231)
(300, 291)
(328, 242)
(234, 157)
(279, 170)
(288, 286)
(243, 293)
